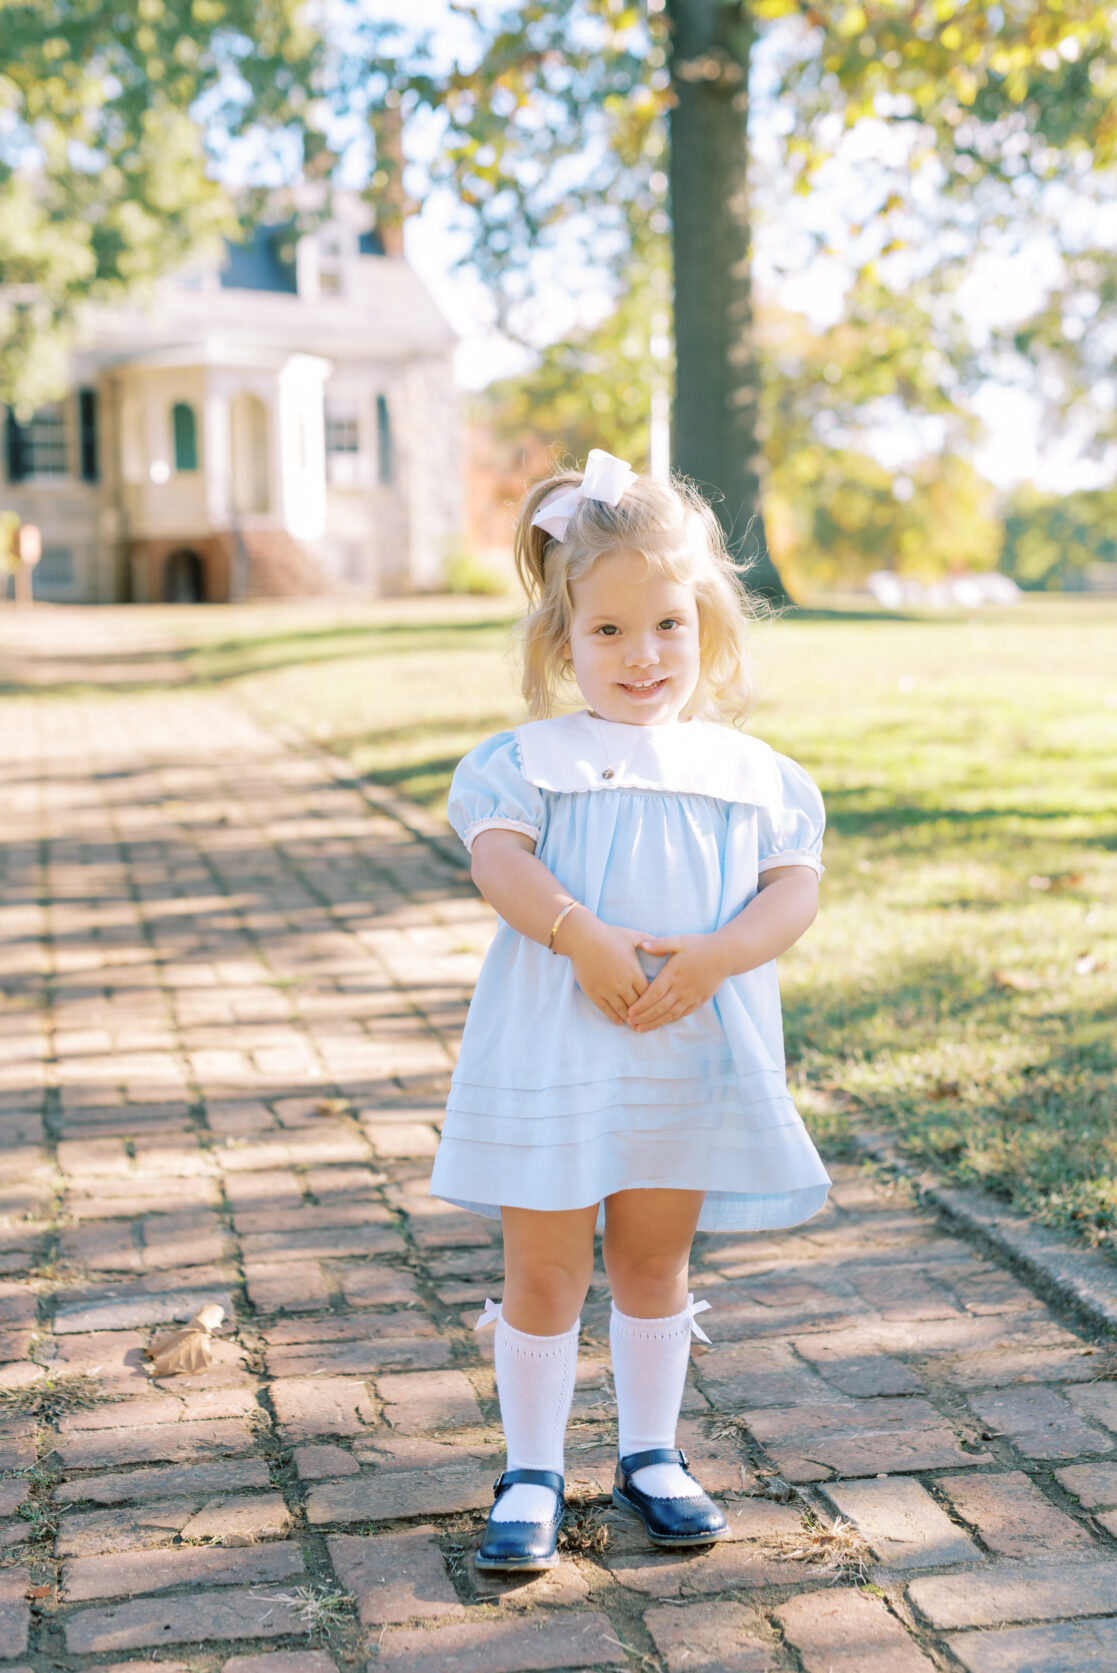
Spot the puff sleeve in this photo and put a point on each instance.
(489, 792)
(790, 827)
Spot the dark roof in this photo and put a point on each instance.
(261, 263)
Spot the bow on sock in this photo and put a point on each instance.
(492, 1314)
(689, 1311)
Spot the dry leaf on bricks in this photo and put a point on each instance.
(187, 1349)
(331, 1106)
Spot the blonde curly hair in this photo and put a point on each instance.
(680, 538)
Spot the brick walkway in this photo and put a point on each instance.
(231, 992)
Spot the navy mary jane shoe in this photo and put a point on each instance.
(526, 1546)
(695, 1520)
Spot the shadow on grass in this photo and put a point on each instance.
(916, 1002)
(808, 613)
(832, 1015)
(412, 780)
(366, 632)
(916, 1053)
(886, 815)
(196, 667)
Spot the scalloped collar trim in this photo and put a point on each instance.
(694, 757)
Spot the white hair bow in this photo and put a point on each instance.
(605, 479)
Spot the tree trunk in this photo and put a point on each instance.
(717, 380)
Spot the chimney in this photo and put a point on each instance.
(386, 191)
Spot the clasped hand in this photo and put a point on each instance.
(610, 975)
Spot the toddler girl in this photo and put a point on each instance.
(622, 1061)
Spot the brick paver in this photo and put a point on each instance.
(231, 991)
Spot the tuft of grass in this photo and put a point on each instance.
(584, 1530)
(40, 1475)
(640, 1659)
(41, 1519)
(58, 1272)
(54, 1396)
(1106, 1368)
(836, 1547)
(320, 1608)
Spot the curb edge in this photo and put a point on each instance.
(1056, 1264)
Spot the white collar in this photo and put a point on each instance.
(694, 757)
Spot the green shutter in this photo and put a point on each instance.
(87, 414)
(17, 449)
(186, 439)
(384, 449)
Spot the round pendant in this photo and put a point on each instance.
(608, 773)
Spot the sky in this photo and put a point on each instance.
(1015, 448)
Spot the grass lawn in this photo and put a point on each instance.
(960, 986)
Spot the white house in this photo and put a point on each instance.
(284, 424)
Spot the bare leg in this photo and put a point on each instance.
(548, 1263)
(648, 1235)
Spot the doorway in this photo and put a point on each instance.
(184, 579)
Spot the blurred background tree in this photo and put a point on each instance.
(1053, 541)
(833, 513)
(114, 116)
(569, 122)
(632, 150)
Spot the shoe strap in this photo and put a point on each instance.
(530, 1478)
(656, 1455)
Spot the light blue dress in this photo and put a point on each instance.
(664, 829)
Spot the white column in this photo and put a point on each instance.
(302, 445)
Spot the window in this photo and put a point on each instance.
(266, 262)
(16, 438)
(384, 461)
(55, 569)
(185, 437)
(87, 433)
(43, 442)
(330, 267)
(343, 429)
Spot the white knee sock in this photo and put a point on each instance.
(535, 1381)
(650, 1358)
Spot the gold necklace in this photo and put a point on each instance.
(608, 771)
